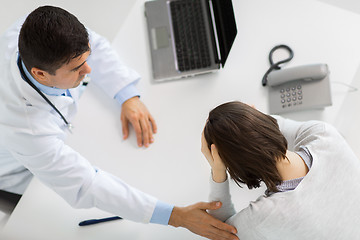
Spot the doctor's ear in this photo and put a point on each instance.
(40, 75)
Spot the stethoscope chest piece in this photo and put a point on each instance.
(69, 127)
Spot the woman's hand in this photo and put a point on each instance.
(217, 166)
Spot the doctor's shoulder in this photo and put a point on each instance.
(9, 39)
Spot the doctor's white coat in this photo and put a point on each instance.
(32, 136)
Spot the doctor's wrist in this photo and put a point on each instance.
(175, 217)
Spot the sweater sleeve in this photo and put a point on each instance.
(221, 192)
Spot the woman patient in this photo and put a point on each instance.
(311, 174)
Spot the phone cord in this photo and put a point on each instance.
(276, 66)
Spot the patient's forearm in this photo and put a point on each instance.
(221, 192)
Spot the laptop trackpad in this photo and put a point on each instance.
(160, 37)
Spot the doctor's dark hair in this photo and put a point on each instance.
(249, 143)
(51, 37)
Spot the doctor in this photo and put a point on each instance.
(44, 62)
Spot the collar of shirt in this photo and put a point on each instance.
(289, 185)
(52, 91)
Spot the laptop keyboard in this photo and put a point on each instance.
(192, 51)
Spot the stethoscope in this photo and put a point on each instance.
(68, 124)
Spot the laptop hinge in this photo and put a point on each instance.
(215, 31)
(172, 36)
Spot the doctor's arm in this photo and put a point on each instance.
(73, 178)
(118, 81)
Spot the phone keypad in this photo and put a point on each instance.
(291, 96)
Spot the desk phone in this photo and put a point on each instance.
(299, 88)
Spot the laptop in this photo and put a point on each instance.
(189, 37)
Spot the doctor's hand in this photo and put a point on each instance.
(135, 112)
(197, 220)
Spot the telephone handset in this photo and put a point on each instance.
(299, 88)
(307, 73)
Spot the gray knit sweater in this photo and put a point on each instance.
(326, 203)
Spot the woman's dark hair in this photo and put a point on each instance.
(249, 143)
(51, 37)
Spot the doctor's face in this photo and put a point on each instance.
(72, 73)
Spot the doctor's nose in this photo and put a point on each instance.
(86, 69)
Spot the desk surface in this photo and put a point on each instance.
(173, 169)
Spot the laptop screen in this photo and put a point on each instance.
(225, 26)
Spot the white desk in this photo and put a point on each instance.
(173, 168)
